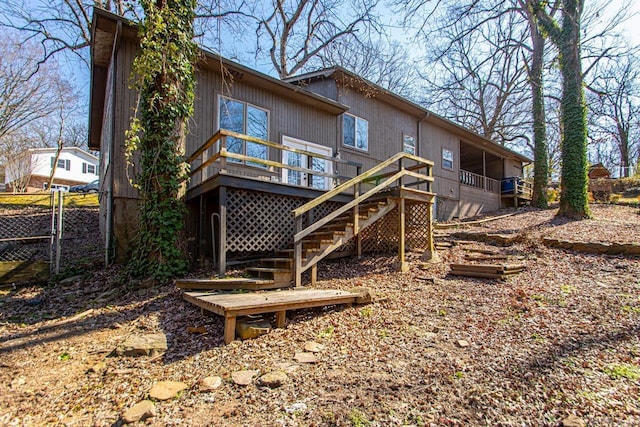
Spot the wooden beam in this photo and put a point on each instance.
(222, 248)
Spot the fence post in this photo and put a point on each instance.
(59, 232)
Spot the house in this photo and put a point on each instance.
(31, 170)
(321, 164)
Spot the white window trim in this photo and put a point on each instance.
(289, 141)
(443, 159)
(415, 144)
(355, 142)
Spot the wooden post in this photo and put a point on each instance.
(223, 153)
(356, 222)
(200, 232)
(297, 255)
(403, 266)
(314, 274)
(222, 248)
(281, 317)
(229, 328)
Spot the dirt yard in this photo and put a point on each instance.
(559, 342)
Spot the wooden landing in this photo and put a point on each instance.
(232, 305)
(230, 284)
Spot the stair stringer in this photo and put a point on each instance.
(337, 243)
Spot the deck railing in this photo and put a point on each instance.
(479, 181)
(215, 154)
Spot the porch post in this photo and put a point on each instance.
(200, 233)
(222, 249)
(297, 255)
(403, 266)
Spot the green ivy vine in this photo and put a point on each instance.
(165, 81)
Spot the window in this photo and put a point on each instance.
(408, 144)
(447, 159)
(241, 117)
(355, 132)
(62, 163)
(89, 168)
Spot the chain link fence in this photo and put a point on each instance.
(47, 233)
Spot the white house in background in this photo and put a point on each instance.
(32, 169)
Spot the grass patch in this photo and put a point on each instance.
(70, 200)
(617, 371)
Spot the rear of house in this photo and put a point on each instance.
(468, 168)
(260, 148)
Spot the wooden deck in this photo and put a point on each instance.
(231, 306)
(228, 284)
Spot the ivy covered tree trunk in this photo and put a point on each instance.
(165, 81)
(574, 202)
(540, 155)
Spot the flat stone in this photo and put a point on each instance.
(196, 329)
(305, 357)
(143, 345)
(572, 421)
(244, 377)
(462, 343)
(98, 368)
(208, 384)
(248, 328)
(365, 295)
(165, 390)
(140, 411)
(274, 379)
(313, 347)
(287, 367)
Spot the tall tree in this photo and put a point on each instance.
(574, 202)
(296, 31)
(614, 104)
(166, 85)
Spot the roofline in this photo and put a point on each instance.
(64, 149)
(429, 115)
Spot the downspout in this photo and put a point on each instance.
(109, 213)
(419, 139)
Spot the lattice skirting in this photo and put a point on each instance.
(259, 222)
(263, 222)
(382, 236)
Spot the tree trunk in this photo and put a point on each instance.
(574, 201)
(541, 165)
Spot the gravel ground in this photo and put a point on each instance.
(560, 339)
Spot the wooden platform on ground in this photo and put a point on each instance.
(486, 271)
(232, 305)
(229, 284)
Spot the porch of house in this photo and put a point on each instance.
(485, 182)
(301, 211)
(290, 215)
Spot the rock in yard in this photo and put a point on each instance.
(208, 384)
(313, 347)
(305, 357)
(296, 407)
(140, 411)
(248, 328)
(98, 368)
(572, 421)
(274, 379)
(197, 330)
(244, 377)
(462, 343)
(165, 390)
(143, 345)
(365, 295)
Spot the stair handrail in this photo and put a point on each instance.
(365, 176)
(369, 175)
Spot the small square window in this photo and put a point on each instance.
(409, 144)
(447, 159)
(355, 132)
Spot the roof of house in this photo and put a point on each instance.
(64, 149)
(387, 96)
(107, 28)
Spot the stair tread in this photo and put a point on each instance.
(269, 269)
(276, 259)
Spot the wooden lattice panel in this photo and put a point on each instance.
(263, 222)
(382, 236)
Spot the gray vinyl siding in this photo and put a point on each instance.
(433, 140)
(105, 141)
(474, 201)
(386, 126)
(286, 117)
